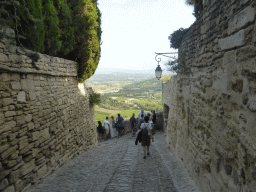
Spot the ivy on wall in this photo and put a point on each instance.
(63, 28)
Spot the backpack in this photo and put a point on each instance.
(145, 130)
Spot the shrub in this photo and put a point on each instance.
(177, 65)
(176, 37)
(198, 7)
(94, 98)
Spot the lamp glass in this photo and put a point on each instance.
(158, 72)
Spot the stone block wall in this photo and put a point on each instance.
(211, 109)
(45, 116)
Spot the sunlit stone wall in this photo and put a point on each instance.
(211, 110)
(45, 117)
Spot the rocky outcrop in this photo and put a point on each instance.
(45, 116)
(211, 110)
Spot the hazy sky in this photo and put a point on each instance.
(133, 30)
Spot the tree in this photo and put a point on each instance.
(66, 26)
(77, 37)
(29, 27)
(87, 51)
(52, 29)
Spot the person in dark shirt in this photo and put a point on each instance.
(133, 123)
(100, 130)
(154, 117)
(154, 121)
(119, 125)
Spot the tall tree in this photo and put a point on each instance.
(87, 33)
(66, 27)
(30, 24)
(52, 29)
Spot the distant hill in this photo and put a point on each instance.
(117, 76)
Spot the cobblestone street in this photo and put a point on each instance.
(118, 165)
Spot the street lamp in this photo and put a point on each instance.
(158, 70)
(158, 73)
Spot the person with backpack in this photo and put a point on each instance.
(147, 134)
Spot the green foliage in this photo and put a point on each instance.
(190, 2)
(177, 65)
(198, 7)
(94, 98)
(144, 94)
(176, 37)
(66, 26)
(7, 18)
(34, 57)
(31, 25)
(3, 143)
(77, 37)
(52, 30)
(87, 31)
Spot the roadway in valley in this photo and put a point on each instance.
(118, 165)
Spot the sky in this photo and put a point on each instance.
(133, 30)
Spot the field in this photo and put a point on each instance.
(126, 94)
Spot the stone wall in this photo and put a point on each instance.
(45, 117)
(211, 109)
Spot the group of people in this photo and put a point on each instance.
(141, 119)
(111, 128)
(146, 130)
(144, 133)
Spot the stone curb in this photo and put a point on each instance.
(181, 179)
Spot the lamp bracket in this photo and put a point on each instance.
(166, 55)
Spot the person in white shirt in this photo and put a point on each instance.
(107, 126)
(142, 112)
(147, 134)
(139, 115)
(112, 127)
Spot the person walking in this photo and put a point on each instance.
(100, 131)
(141, 113)
(119, 125)
(133, 123)
(151, 115)
(141, 120)
(154, 120)
(146, 136)
(107, 127)
(112, 127)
